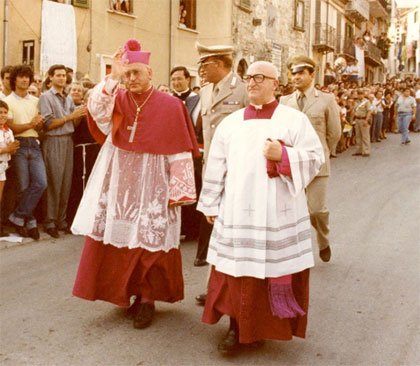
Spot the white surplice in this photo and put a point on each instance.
(262, 227)
(125, 202)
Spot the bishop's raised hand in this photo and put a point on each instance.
(117, 67)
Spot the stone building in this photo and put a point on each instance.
(270, 30)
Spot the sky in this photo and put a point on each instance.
(407, 3)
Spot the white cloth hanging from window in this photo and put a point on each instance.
(58, 36)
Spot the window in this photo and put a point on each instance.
(415, 17)
(299, 14)
(245, 4)
(121, 6)
(187, 14)
(81, 3)
(28, 54)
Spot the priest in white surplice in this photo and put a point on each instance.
(261, 159)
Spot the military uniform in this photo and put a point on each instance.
(361, 111)
(231, 97)
(323, 112)
(217, 102)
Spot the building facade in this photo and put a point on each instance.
(100, 27)
(336, 25)
(270, 30)
(407, 42)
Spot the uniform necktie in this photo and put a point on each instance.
(301, 101)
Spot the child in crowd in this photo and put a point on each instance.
(8, 146)
(349, 132)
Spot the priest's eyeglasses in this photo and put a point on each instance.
(258, 78)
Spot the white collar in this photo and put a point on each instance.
(182, 92)
(260, 106)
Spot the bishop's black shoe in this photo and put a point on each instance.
(144, 316)
(134, 309)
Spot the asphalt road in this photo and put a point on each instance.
(364, 307)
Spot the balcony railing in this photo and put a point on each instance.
(384, 3)
(379, 8)
(358, 10)
(372, 54)
(348, 47)
(324, 37)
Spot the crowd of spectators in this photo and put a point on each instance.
(395, 107)
(51, 152)
(46, 111)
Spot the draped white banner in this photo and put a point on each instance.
(58, 36)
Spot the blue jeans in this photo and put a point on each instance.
(29, 168)
(404, 120)
(377, 126)
(417, 124)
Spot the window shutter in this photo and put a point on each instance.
(81, 3)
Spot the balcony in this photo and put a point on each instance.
(345, 48)
(379, 8)
(358, 10)
(324, 38)
(372, 54)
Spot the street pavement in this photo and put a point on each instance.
(364, 307)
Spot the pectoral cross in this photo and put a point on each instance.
(134, 126)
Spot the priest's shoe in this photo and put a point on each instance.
(325, 254)
(201, 299)
(134, 309)
(230, 344)
(144, 316)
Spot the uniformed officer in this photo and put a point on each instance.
(225, 93)
(361, 116)
(323, 112)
